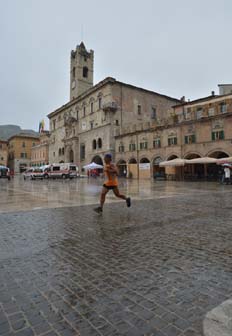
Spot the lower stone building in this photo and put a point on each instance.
(20, 147)
(197, 129)
(3, 152)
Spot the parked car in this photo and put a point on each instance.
(4, 172)
(61, 170)
(33, 173)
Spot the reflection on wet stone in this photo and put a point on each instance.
(155, 269)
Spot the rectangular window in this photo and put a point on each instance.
(143, 145)
(91, 124)
(54, 124)
(91, 107)
(82, 151)
(211, 111)
(116, 122)
(172, 141)
(84, 111)
(189, 139)
(121, 148)
(156, 143)
(23, 145)
(139, 110)
(218, 135)
(199, 113)
(153, 113)
(223, 108)
(132, 147)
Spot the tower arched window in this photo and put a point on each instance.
(99, 143)
(85, 72)
(94, 144)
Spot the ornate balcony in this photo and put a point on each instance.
(110, 107)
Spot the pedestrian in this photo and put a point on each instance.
(111, 183)
(227, 175)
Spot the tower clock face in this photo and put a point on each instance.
(73, 84)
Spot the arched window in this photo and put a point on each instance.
(94, 144)
(85, 72)
(59, 151)
(99, 143)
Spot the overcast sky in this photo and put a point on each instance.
(175, 47)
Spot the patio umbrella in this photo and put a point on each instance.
(173, 163)
(225, 160)
(92, 166)
(203, 160)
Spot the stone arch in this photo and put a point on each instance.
(122, 168)
(193, 170)
(97, 159)
(156, 169)
(218, 154)
(172, 157)
(144, 160)
(192, 155)
(132, 161)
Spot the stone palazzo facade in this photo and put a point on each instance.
(87, 127)
(200, 128)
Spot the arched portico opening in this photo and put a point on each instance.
(144, 160)
(214, 171)
(218, 154)
(144, 168)
(97, 159)
(132, 168)
(172, 157)
(96, 172)
(158, 172)
(122, 168)
(193, 171)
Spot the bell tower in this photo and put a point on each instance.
(81, 70)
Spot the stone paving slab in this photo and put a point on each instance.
(154, 269)
(218, 322)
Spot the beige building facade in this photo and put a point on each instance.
(3, 152)
(201, 128)
(40, 152)
(84, 129)
(20, 148)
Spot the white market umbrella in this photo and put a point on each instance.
(203, 160)
(224, 160)
(173, 163)
(93, 165)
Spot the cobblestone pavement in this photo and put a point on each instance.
(154, 269)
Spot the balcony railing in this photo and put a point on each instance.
(110, 106)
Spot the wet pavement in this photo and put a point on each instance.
(154, 269)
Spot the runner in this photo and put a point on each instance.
(111, 183)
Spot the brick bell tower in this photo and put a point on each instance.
(81, 70)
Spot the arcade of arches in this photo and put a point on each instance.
(147, 168)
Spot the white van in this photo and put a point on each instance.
(61, 170)
(33, 173)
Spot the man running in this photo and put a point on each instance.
(111, 183)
